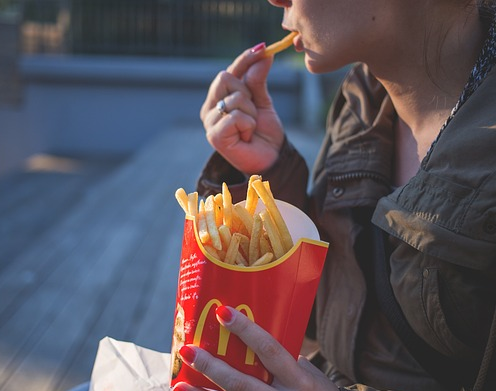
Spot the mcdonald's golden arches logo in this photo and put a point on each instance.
(224, 334)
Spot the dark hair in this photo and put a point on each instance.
(487, 11)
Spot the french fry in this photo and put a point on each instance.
(232, 251)
(263, 260)
(193, 203)
(201, 222)
(274, 238)
(221, 255)
(237, 234)
(240, 260)
(225, 236)
(251, 195)
(211, 223)
(182, 199)
(212, 251)
(256, 233)
(237, 224)
(245, 217)
(281, 45)
(265, 246)
(244, 245)
(218, 209)
(227, 205)
(270, 203)
(267, 187)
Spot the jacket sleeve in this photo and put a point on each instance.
(287, 177)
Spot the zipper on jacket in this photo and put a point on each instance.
(357, 175)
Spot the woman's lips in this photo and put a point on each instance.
(298, 43)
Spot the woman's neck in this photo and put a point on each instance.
(425, 83)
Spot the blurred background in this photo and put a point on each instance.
(99, 125)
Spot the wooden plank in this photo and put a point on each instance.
(110, 225)
(33, 201)
(131, 299)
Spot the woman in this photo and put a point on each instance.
(404, 189)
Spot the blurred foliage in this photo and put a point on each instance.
(206, 28)
(41, 11)
(10, 9)
(4, 4)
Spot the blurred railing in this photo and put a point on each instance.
(179, 28)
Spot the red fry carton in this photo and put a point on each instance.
(277, 296)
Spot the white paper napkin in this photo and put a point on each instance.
(124, 366)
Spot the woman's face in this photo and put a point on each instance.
(334, 33)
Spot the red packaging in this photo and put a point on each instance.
(277, 296)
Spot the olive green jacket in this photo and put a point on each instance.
(442, 226)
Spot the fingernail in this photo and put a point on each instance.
(258, 47)
(224, 314)
(180, 387)
(188, 354)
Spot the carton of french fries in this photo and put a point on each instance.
(261, 256)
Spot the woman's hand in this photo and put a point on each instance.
(249, 134)
(288, 373)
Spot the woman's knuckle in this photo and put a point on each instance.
(223, 76)
(268, 348)
(202, 366)
(239, 96)
(305, 383)
(236, 384)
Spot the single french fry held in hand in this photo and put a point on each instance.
(240, 234)
(281, 45)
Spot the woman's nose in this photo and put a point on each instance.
(280, 3)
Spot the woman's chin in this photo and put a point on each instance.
(317, 66)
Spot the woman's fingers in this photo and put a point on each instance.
(245, 60)
(234, 107)
(231, 118)
(239, 101)
(274, 357)
(253, 68)
(289, 374)
(247, 74)
(219, 372)
(226, 131)
(222, 86)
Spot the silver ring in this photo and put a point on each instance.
(221, 107)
